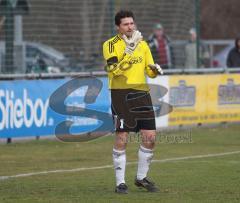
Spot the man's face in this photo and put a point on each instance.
(158, 33)
(193, 36)
(127, 26)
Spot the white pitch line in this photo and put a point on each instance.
(110, 166)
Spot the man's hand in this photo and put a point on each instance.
(132, 42)
(156, 68)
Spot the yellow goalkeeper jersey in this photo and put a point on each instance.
(127, 71)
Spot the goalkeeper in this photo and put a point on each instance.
(129, 60)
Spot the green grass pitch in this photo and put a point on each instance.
(192, 179)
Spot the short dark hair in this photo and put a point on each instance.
(122, 14)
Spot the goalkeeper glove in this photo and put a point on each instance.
(156, 68)
(132, 42)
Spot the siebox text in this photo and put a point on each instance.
(18, 112)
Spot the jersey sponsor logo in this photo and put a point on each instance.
(229, 93)
(136, 60)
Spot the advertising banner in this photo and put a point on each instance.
(44, 107)
(25, 111)
(204, 99)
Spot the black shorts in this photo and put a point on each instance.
(132, 110)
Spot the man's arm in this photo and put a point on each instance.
(152, 70)
(115, 66)
(110, 56)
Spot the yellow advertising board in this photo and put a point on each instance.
(204, 99)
